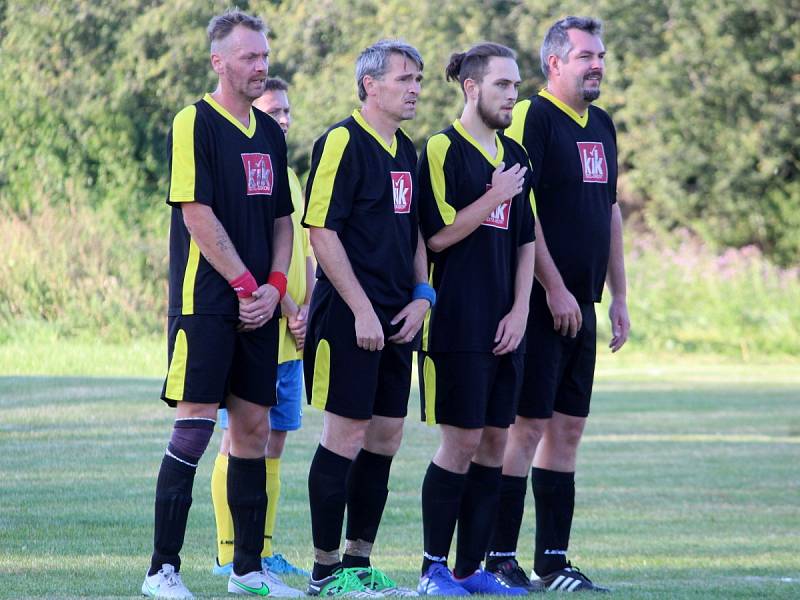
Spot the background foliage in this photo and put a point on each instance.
(706, 97)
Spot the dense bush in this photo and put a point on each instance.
(705, 96)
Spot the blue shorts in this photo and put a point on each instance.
(287, 415)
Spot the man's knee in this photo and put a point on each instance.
(342, 435)
(565, 431)
(384, 435)
(527, 433)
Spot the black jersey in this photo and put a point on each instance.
(241, 173)
(474, 278)
(365, 190)
(574, 162)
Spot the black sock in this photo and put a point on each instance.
(503, 543)
(349, 561)
(476, 516)
(326, 497)
(441, 498)
(247, 498)
(554, 494)
(367, 489)
(173, 499)
(322, 571)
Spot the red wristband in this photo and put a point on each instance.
(244, 285)
(278, 280)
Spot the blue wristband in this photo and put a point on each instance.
(423, 291)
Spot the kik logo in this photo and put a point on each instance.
(501, 214)
(401, 191)
(258, 173)
(593, 162)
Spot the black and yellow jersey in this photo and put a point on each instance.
(241, 173)
(474, 278)
(365, 190)
(574, 162)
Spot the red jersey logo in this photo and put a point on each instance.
(258, 172)
(593, 161)
(501, 214)
(401, 191)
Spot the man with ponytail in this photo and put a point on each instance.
(368, 306)
(573, 149)
(476, 214)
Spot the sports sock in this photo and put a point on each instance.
(247, 498)
(274, 494)
(174, 489)
(554, 494)
(326, 497)
(441, 498)
(222, 513)
(510, 510)
(367, 487)
(476, 517)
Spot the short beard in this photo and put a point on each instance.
(491, 121)
(591, 95)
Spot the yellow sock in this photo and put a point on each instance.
(273, 495)
(222, 512)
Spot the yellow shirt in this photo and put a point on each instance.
(296, 277)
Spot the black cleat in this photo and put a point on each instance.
(510, 573)
(570, 579)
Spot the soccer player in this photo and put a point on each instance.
(573, 151)
(369, 303)
(287, 414)
(230, 245)
(476, 212)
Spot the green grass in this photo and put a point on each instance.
(687, 486)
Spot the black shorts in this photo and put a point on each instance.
(559, 370)
(208, 359)
(470, 390)
(344, 379)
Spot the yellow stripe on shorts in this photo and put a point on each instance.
(177, 368)
(322, 375)
(429, 376)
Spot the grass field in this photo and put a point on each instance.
(688, 487)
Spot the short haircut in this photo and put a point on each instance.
(221, 26)
(275, 84)
(556, 40)
(474, 63)
(374, 61)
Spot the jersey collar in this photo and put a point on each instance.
(494, 161)
(580, 120)
(368, 128)
(248, 131)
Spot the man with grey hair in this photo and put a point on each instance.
(367, 308)
(230, 244)
(573, 150)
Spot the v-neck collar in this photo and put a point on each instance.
(248, 131)
(391, 149)
(580, 120)
(494, 161)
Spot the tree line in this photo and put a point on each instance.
(705, 95)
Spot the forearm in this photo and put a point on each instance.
(467, 220)
(282, 244)
(545, 269)
(523, 282)
(420, 261)
(213, 241)
(334, 262)
(311, 279)
(615, 278)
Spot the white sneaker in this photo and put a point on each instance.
(261, 583)
(165, 584)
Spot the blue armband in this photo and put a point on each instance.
(423, 291)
